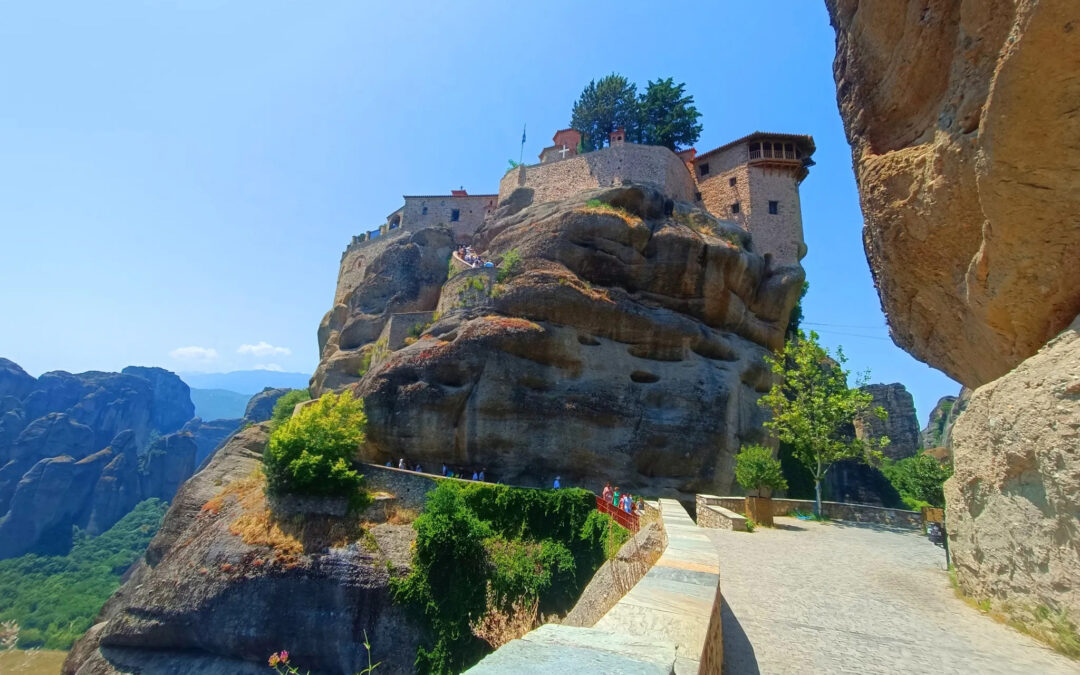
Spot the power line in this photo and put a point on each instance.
(843, 325)
(846, 334)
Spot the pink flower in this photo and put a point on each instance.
(284, 656)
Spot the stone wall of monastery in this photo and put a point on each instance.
(617, 165)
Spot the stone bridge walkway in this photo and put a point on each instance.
(841, 598)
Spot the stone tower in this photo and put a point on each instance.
(754, 181)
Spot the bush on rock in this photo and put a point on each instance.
(311, 453)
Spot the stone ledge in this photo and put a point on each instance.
(720, 518)
(859, 513)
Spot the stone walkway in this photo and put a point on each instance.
(843, 598)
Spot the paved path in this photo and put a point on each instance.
(842, 598)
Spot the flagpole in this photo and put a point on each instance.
(521, 156)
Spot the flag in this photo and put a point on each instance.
(523, 134)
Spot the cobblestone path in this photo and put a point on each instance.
(843, 598)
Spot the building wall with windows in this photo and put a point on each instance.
(464, 214)
(755, 183)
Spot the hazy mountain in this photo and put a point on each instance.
(216, 404)
(247, 382)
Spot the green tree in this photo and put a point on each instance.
(283, 408)
(668, 116)
(757, 469)
(796, 318)
(813, 408)
(920, 480)
(603, 107)
(311, 452)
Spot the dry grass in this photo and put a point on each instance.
(599, 208)
(288, 536)
(398, 515)
(497, 627)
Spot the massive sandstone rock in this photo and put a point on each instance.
(171, 398)
(73, 450)
(901, 425)
(962, 120)
(628, 349)
(1014, 499)
(204, 600)
(963, 126)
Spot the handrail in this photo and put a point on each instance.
(630, 521)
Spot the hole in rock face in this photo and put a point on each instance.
(644, 377)
(587, 340)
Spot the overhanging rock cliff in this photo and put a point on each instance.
(628, 347)
(963, 126)
(962, 121)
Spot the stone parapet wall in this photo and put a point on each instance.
(859, 513)
(714, 517)
(617, 165)
(409, 487)
(399, 326)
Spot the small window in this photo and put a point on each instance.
(455, 215)
(704, 169)
(731, 181)
(735, 207)
(423, 211)
(774, 208)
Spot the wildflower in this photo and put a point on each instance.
(274, 659)
(284, 656)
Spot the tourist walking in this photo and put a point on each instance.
(606, 494)
(556, 484)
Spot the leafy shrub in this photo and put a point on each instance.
(484, 549)
(283, 408)
(512, 265)
(751, 524)
(310, 453)
(756, 469)
(919, 479)
(55, 598)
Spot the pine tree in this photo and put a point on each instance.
(604, 106)
(668, 116)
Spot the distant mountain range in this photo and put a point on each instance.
(217, 404)
(245, 382)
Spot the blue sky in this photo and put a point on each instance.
(178, 180)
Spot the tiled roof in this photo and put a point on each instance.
(762, 134)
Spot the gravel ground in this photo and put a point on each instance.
(837, 597)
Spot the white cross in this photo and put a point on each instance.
(564, 151)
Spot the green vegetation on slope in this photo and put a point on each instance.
(484, 551)
(283, 408)
(920, 480)
(55, 598)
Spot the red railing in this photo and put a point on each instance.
(627, 520)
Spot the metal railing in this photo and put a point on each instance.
(630, 521)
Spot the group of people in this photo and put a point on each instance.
(464, 473)
(405, 467)
(448, 472)
(622, 501)
(467, 254)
